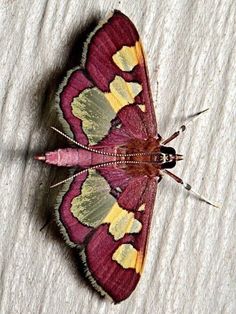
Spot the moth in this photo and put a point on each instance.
(107, 111)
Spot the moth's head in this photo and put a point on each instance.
(168, 157)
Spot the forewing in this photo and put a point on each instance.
(110, 223)
(115, 50)
(110, 93)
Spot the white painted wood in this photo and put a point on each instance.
(191, 262)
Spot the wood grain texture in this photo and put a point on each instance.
(191, 263)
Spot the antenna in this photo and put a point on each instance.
(98, 151)
(110, 163)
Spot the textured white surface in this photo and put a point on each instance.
(191, 263)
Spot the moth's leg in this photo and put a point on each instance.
(182, 128)
(188, 187)
(47, 222)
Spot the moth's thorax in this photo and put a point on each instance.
(149, 147)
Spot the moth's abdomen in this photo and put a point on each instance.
(72, 157)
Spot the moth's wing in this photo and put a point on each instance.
(114, 266)
(115, 50)
(94, 191)
(110, 93)
(109, 223)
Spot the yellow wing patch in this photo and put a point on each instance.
(121, 222)
(128, 57)
(128, 257)
(122, 93)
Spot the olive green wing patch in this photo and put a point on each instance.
(97, 109)
(94, 201)
(95, 206)
(92, 107)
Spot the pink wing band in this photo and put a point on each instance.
(72, 229)
(76, 83)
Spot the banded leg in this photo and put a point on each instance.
(182, 128)
(188, 187)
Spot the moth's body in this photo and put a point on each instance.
(149, 155)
